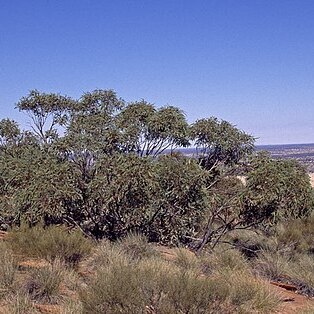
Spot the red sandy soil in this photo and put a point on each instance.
(292, 303)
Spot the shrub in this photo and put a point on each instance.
(152, 285)
(114, 289)
(187, 292)
(277, 189)
(50, 243)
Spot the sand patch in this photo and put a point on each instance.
(312, 179)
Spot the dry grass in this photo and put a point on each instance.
(20, 303)
(137, 247)
(71, 307)
(297, 235)
(8, 268)
(43, 284)
(245, 292)
(297, 270)
(130, 276)
(120, 285)
(51, 243)
(301, 273)
(272, 265)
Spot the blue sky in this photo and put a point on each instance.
(250, 62)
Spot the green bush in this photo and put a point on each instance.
(50, 243)
(277, 190)
(154, 285)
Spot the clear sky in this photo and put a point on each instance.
(250, 62)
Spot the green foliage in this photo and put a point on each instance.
(162, 199)
(30, 187)
(148, 131)
(219, 142)
(223, 212)
(180, 202)
(96, 163)
(9, 132)
(118, 197)
(47, 111)
(92, 129)
(51, 243)
(277, 189)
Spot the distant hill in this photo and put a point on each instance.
(304, 153)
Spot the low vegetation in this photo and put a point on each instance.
(118, 277)
(52, 242)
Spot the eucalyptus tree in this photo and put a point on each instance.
(219, 143)
(221, 148)
(148, 131)
(91, 131)
(10, 133)
(49, 113)
(98, 163)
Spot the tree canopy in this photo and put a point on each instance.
(110, 167)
